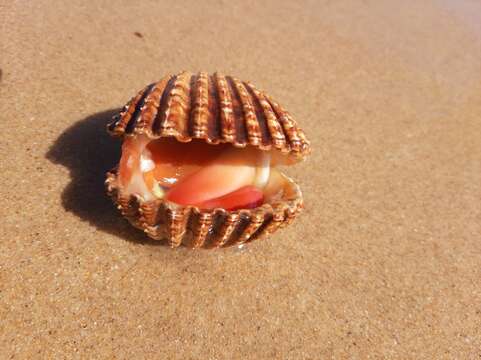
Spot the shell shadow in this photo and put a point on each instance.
(89, 152)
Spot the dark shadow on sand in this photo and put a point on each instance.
(88, 151)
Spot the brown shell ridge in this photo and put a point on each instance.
(162, 107)
(274, 129)
(226, 229)
(226, 112)
(260, 116)
(151, 107)
(117, 127)
(218, 218)
(191, 227)
(135, 117)
(255, 222)
(238, 114)
(178, 220)
(260, 232)
(215, 108)
(290, 128)
(202, 222)
(249, 114)
(200, 106)
(214, 122)
(178, 109)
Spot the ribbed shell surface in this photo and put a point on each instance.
(216, 108)
(188, 226)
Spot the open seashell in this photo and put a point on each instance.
(199, 160)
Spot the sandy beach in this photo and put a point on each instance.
(385, 260)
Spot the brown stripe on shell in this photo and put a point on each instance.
(305, 145)
(117, 127)
(148, 213)
(251, 123)
(241, 225)
(200, 106)
(291, 213)
(201, 224)
(157, 230)
(151, 106)
(261, 232)
(178, 109)
(226, 111)
(177, 221)
(163, 108)
(214, 123)
(261, 118)
(290, 127)
(238, 113)
(136, 115)
(226, 230)
(255, 222)
(218, 218)
(274, 128)
(275, 222)
(128, 206)
(154, 233)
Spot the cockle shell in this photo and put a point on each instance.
(217, 109)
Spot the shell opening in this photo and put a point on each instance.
(200, 174)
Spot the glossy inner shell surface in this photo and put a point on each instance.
(199, 174)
